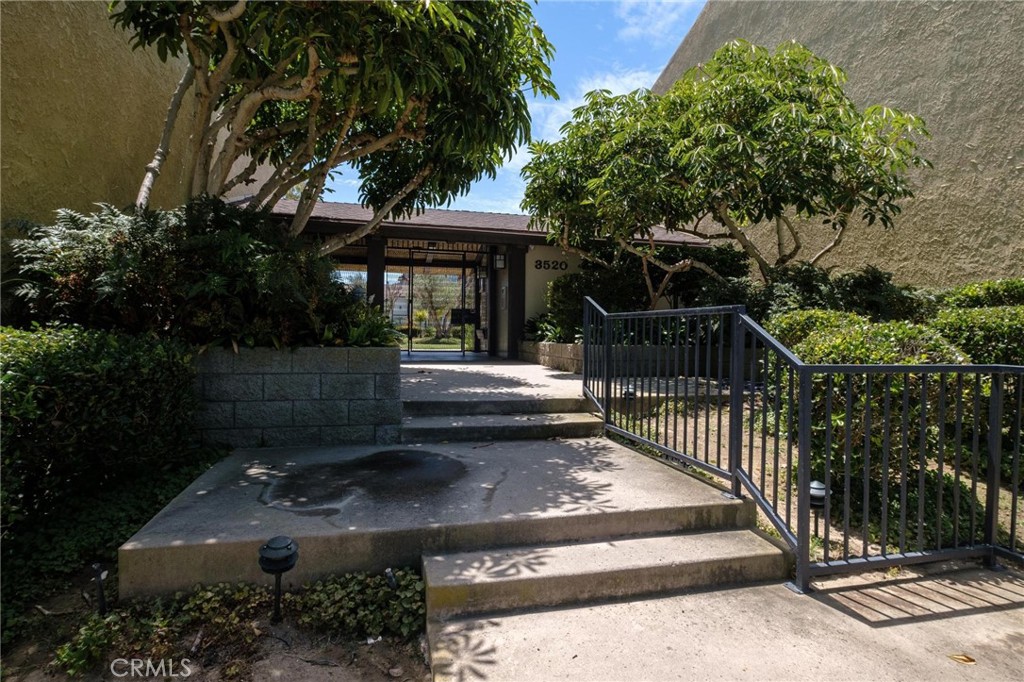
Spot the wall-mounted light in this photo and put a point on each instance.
(432, 246)
(499, 261)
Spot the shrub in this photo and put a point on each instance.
(869, 292)
(793, 327)
(855, 409)
(1000, 292)
(872, 293)
(207, 272)
(362, 604)
(989, 335)
(622, 287)
(83, 409)
(229, 618)
(89, 528)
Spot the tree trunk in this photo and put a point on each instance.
(162, 149)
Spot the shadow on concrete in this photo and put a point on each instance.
(926, 598)
(463, 652)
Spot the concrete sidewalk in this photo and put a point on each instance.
(858, 628)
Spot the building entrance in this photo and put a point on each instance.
(433, 295)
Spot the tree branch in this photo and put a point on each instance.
(228, 15)
(722, 214)
(339, 241)
(153, 169)
(836, 241)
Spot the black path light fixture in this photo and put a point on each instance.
(817, 495)
(278, 556)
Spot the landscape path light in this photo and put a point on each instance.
(278, 556)
(817, 492)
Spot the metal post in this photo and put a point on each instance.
(803, 474)
(736, 363)
(276, 618)
(995, 456)
(607, 371)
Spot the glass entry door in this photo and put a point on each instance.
(436, 294)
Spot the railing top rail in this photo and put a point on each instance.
(676, 312)
(594, 303)
(914, 369)
(770, 341)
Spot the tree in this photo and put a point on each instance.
(438, 294)
(750, 136)
(419, 99)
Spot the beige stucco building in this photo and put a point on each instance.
(956, 64)
(80, 111)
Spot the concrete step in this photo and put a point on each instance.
(491, 405)
(475, 427)
(496, 494)
(557, 575)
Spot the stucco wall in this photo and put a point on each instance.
(80, 112)
(544, 264)
(956, 64)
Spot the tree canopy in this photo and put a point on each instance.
(750, 136)
(418, 99)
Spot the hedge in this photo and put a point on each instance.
(999, 292)
(793, 327)
(989, 335)
(85, 409)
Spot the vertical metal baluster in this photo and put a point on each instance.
(847, 466)
(721, 356)
(992, 479)
(675, 407)
(866, 488)
(1015, 463)
(753, 410)
(904, 457)
(922, 446)
(958, 445)
(789, 444)
(696, 388)
(739, 342)
(975, 451)
(687, 382)
(828, 463)
(886, 452)
(707, 394)
(764, 419)
(777, 408)
(803, 513)
(942, 458)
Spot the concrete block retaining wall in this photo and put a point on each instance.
(567, 357)
(262, 397)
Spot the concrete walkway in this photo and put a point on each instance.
(859, 628)
(471, 381)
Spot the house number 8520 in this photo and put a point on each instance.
(550, 264)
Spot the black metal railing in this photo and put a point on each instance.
(856, 466)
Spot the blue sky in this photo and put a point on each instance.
(617, 45)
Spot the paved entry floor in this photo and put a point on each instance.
(475, 380)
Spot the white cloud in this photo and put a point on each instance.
(660, 22)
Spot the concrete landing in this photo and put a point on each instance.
(498, 380)
(351, 510)
(500, 427)
(552, 575)
(859, 628)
